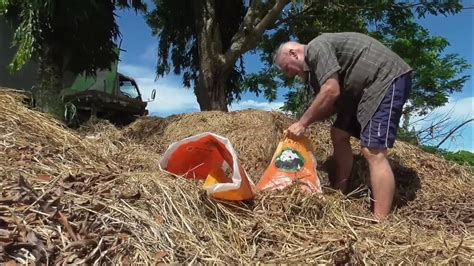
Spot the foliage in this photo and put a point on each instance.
(392, 22)
(79, 36)
(409, 136)
(436, 75)
(178, 47)
(461, 157)
(82, 32)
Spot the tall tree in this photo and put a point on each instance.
(196, 47)
(74, 35)
(206, 38)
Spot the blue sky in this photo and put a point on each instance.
(139, 61)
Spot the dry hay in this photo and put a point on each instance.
(45, 169)
(187, 227)
(97, 197)
(253, 134)
(131, 155)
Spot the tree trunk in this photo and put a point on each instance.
(210, 90)
(48, 94)
(215, 64)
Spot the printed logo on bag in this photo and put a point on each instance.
(289, 160)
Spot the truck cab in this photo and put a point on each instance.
(109, 95)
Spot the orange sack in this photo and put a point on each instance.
(212, 158)
(293, 161)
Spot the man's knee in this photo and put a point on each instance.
(373, 154)
(339, 136)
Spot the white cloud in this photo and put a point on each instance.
(150, 53)
(252, 104)
(457, 111)
(136, 71)
(461, 108)
(170, 97)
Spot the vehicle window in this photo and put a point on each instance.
(129, 90)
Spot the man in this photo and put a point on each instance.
(366, 85)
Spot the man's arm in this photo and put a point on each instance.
(321, 108)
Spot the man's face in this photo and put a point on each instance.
(290, 65)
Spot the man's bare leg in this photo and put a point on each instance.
(343, 158)
(382, 180)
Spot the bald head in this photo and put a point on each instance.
(289, 58)
(284, 48)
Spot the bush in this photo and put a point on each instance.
(407, 136)
(461, 157)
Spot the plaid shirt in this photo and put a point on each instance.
(365, 67)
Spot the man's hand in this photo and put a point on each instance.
(296, 130)
(321, 107)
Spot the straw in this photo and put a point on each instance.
(96, 196)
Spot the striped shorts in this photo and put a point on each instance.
(381, 131)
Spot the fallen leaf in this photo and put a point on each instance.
(262, 253)
(126, 261)
(46, 178)
(9, 200)
(10, 263)
(159, 219)
(133, 196)
(160, 255)
(98, 207)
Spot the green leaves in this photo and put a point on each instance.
(27, 35)
(261, 83)
(173, 22)
(177, 38)
(4, 4)
(436, 75)
(437, 7)
(137, 5)
(82, 33)
(26, 41)
(297, 100)
(461, 157)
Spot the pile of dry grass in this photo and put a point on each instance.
(252, 133)
(98, 197)
(46, 168)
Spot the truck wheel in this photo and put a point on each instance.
(70, 115)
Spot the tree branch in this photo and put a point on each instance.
(270, 17)
(358, 8)
(293, 16)
(433, 116)
(251, 32)
(454, 130)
